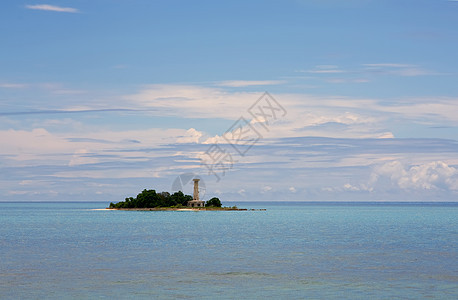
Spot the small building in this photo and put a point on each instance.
(196, 202)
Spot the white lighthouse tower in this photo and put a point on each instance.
(196, 202)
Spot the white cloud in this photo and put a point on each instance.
(266, 189)
(287, 149)
(324, 69)
(427, 176)
(7, 85)
(307, 163)
(81, 157)
(68, 92)
(192, 136)
(366, 72)
(39, 145)
(413, 71)
(307, 115)
(245, 83)
(24, 145)
(350, 187)
(357, 188)
(55, 8)
(387, 65)
(385, 135)
(192, 101)
(406, 70)
(434, 111)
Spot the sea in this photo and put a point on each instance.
(292, 250)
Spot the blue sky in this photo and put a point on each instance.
(100, 99)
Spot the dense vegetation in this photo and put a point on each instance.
(213, 202)
(151, 199)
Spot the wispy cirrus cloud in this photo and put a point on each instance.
(245, 83)
(362, 73)
(55, 88)
(55, 8)
(388, 65)
(307, 115)
(9, 85)
(324, 69)
(407, 70)
(63, 111)
(204, 102)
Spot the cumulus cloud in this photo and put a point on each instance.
(350, 187)
(428, 176)
(192, 136)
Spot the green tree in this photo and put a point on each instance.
(215, 202)
(186, 199)
(178, 198)
(165, 199)
(151, 199)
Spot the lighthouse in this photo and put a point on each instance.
(196, 202)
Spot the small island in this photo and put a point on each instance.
(150, 200)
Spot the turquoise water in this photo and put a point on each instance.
(290, 251)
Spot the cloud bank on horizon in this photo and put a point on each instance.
(368, 107)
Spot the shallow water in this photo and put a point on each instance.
(290, 251)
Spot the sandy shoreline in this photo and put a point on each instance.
(179, 209)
